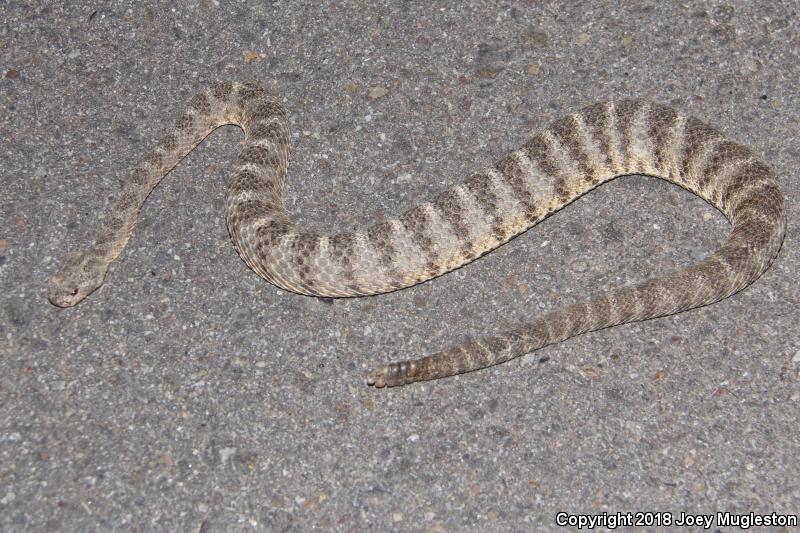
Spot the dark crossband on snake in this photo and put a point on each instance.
(554, 167)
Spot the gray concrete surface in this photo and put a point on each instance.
(189, 395)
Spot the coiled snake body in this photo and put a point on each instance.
(554, 167)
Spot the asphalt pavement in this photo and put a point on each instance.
(187, 394)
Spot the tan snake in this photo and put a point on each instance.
(558, 164)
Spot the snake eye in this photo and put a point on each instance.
(74, 291)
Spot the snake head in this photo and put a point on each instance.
(80, 276)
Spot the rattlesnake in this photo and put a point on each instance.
(560, 163)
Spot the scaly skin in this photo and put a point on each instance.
(553, 168)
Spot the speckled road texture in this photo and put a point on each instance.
(187, 394)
